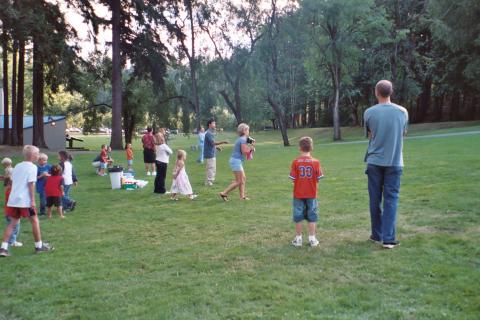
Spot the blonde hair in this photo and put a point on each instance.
(6, 161)
(242, 127)
(29, 150)
(42, 156)
(306, 144)
(181, 154)
(159, 138)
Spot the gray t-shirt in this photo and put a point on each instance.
(387, 124)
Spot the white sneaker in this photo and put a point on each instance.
(17, 244)
(148, 173)
(154, 173)
(193, 196)
(313, 242)
(297, 242)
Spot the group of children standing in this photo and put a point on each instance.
(52, 183)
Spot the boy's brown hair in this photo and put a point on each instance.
(306, 144)
(56, 170)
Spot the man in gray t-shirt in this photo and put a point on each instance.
(385, 125)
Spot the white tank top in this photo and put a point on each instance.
(67, 173)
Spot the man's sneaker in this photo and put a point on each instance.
(390, 244)
(297, 242)
(17, 244)
(4, 253)
(148, 173)
(45, 248)
(372, 239)
(72, 206)
(154, 173)
(313, 242)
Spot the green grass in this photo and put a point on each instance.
(136, 255)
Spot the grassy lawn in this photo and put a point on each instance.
(136, 255)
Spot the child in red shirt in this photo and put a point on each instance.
(305, 173)
(54, 191)
(129, 152)
(103, 160)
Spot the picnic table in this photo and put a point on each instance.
(70, 140)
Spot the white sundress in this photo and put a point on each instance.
(181, 184)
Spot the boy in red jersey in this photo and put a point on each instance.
(305, 173)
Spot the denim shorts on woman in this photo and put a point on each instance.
(305, 209)
(236, 164)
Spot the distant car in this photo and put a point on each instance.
(267, 128)
(173, 131)
(105, 130)
(74, 130)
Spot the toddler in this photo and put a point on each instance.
(43, 169)
(54, 191)
(7, 182)
(129, 152)
(103, 160)
(180, 183)
(305, 173)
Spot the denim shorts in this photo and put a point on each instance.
(129, 162)
(103, 165)
(236, 164)
(305, 209)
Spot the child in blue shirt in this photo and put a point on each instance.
(43, 171)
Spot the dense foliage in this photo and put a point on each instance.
(295, 64)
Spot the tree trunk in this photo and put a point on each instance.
(13, 133)
(236, 112)
(238, 101)
(37, 84)
(280, 120)
(116, 138)
(336, 112)
(6, 120)
(455, 107)
(20, 92)
(423, 102)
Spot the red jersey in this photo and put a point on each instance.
(305, 173)
(53, 186)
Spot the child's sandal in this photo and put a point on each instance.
(223, 196)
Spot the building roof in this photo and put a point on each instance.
(28, 121)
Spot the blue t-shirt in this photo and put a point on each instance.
(41, 182)
(387, 124)
(237, 148)
(209, 145)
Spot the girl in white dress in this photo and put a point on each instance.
(180, 183)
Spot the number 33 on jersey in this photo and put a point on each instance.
(305, 173)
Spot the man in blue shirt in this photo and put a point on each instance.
(385, 125)
(209, 152)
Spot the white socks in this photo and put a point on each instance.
(298, 238)
(310, 238)
(5, 245)
(38, 244)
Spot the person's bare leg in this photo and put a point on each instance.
(60, 212)
(9, 229)
(146, 167)
(37, 236)
(242, 186)
(49, 212)
(238, 178)
(298, 229)
(312, 228)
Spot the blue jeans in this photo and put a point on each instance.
(43, 201)
(15, 232)
(200, 156)
(66, 201)
(383, 181)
